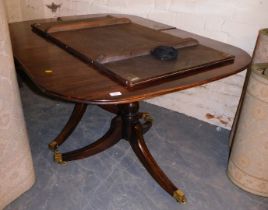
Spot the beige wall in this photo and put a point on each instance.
(233, 21)
(16, 168)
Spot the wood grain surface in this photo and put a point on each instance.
(60, 74)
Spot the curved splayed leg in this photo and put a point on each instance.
(75, 118)
(113, 135)
(143, 153)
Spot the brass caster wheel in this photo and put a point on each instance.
(147, 117)
(53, 146)
(180, 197)
(58, 158)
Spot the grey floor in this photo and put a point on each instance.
(193, 154)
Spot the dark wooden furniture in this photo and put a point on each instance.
(122, 49)
(61, 75)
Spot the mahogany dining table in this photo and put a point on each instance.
(61, 75)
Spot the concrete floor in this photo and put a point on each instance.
(193, 154)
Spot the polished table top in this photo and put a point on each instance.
(60, 74)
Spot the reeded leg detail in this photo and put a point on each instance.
(113, 135)
(75, 118)
(141, 150)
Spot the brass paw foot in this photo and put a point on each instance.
(180, 197)
(146, 117)
(53, 146)
(58, 158)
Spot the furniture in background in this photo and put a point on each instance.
(16, 167)
(248, 163)
(59, 74)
